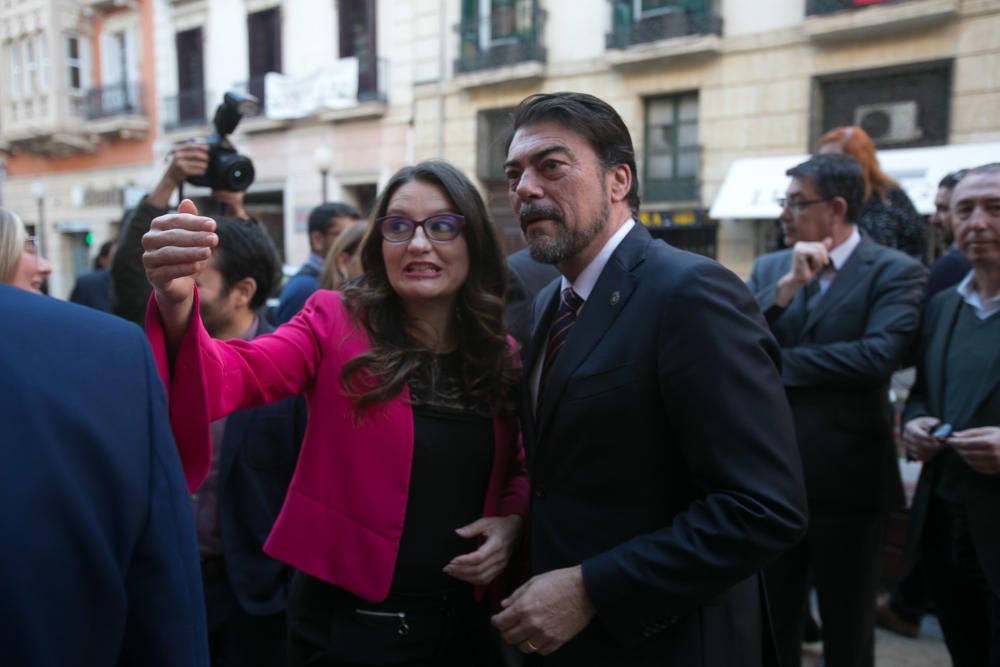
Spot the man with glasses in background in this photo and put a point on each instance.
(844, 310)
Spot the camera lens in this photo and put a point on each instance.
(235, 172)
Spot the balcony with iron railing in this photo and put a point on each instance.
(185, 110)
(118, 99)
(842, 20)
(505, 45)
(686, 28)
(117, 109)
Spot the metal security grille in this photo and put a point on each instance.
(899, 107)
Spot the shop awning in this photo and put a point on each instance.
(752, 184)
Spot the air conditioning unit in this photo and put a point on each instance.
(889, 123)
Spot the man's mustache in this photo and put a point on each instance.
(531, 212)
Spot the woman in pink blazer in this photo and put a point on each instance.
(408, 496)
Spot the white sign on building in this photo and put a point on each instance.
(332, 86)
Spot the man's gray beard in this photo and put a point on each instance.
(568, 242)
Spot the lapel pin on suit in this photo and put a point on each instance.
(615, 298)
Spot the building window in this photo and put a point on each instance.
(43, 63)
(647, 8)
(15, 71)
(357, 40)
(114, 58)
(899, 107)
(503, 20)
(28, 49)
(495, 33)
(672, 154)
(264, 37)
(639, 21)
(74, 64)
(189, 108)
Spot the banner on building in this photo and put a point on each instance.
(333, 86)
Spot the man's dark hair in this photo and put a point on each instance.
(246, 251)
(951, 180)
(835, 175)
(984, 169)
(103, 253)
(321, 217)
(593, 119)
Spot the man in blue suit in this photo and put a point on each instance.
(659, 442)
(98, 565)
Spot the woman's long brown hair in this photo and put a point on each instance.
(488, 366)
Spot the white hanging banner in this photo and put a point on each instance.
(333, 86)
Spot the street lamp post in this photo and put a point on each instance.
(38, 192)
(322, 158)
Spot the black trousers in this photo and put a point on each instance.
(842, 550)
(329, 627)
(910, 599)
(968, 610)
(236, 638)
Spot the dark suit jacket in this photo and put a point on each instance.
(94, 290)
(663, 459)
(295, 293)
(259, 451)
(98, 565)
(130, 289)
(947, 270)
(525, 278)
(836, 363)
(982, 492)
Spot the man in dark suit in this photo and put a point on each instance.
(129, 286)
(844, 310)
(98, 565)
(93, 289)
(902, 611)
(660, 446)
(525, 278)
(254, 454)
(955, 519)
(952, 266)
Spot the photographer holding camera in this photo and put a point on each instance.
(212, 163)
(128, 277)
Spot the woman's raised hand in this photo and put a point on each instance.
(177, 246)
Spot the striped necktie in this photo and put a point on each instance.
(569, 307)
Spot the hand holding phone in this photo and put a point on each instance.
(942, 432)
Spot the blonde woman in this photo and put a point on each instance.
(21, 263)
(343, 262)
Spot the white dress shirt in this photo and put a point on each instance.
(583, 285)
(967, 288)
(839, 257)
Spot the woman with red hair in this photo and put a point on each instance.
(888, 216)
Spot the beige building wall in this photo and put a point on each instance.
(74, 156)
(755, 87)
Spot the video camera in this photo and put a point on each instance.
(227, 169)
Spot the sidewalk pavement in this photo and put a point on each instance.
(892, 650)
